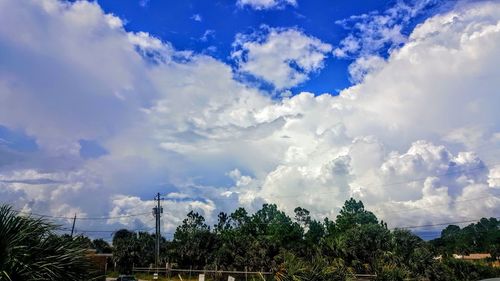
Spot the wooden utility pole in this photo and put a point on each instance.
(157, 211)
(73, 227)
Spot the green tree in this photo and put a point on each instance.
(124, 250)
(483, 236)
(411, 253)
(194, 241)
(277, 227)
(302, 216)
(225, 248)
(241, 240)
(364, 245)
(101, 246)
(353, 214)
(29, 250)
(315, 233)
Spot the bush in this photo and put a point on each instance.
(29, 250)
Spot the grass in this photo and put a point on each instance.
(194, 277)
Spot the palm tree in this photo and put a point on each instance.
(30, 250)
(295, 268)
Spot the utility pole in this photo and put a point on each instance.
(73, 227)
(157, 211)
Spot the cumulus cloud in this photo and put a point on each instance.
(72, 97)
(179, 123)
(494, 177)
(266, 4)
(364, 65)
(174, 211)
(424, 91)
(282, 57)
(375, 32)
(127, 91)
(373, 35)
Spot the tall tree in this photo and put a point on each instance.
(194, 241)
(353, 214)
(124, 250)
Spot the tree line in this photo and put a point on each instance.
(292, 248)
(302, 248)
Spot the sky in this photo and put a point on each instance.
(221, 104)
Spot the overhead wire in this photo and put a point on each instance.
(80, 218)
(287, 196)
(440, 224)
(438, 205)
(112, 231)
(376, 186)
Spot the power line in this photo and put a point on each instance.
(274, 196)
(78, 230)
(111, 231)
(437, 205)
(171, 233)
(79, 218)
(390, 184)
(440, 224)
(491, 165)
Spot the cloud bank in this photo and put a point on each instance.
(266, 4)
(416, 139)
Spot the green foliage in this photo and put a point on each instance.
(29, 250)
(295, 249)
(101, 246)
(483, 236)
(465, 270)
(302, 248)
(353, 214)
(294, 268)
(392, 272)
(194, 241)
(131, 249)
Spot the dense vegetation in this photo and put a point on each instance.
(482, 237)
(29, 250)
(298, 248)
(306, 249)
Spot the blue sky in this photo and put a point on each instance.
(221, 104)
(185, 23)
(199, 26)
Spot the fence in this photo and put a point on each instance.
(220, 275)
(190, 274)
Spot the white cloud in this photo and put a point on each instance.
(363, 66)
(372, 32)
(494, 177)
(209, 33)
(266, 4)
(371, 36)
(177, 122)
(174, 211)
(197, 17)
(72, 61)
(238, 178)
(282, 57)
(428, 89)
